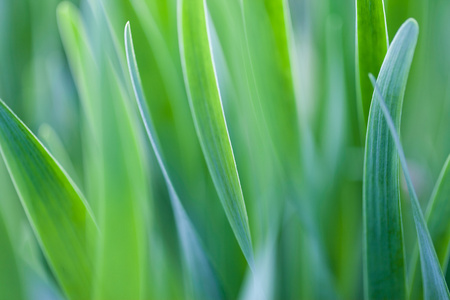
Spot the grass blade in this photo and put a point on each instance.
(57, 211)
(438, 226)
(372, 44)
(201, 277)
(115, 163)
(207, 111)
(383, 232)
(437, 215)
(9, 273)
(433, 278)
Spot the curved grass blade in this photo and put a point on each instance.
(61, 218)
(383, 233)
(201, 276)
(372, 44)
(438, 226)
(209, 119)
(435, 286)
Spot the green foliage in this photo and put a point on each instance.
(435, 286)
(61, 218)
(266, 101)
(438, 226)
(385, 271)
(207, 112)
(200, 277)
(371, 47)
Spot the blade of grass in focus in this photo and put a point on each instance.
(438, 224)
(384, 253)
(209, 119)
(200, 275)
(12, 286)
(61, 218)
(433, 278)
(372, 43)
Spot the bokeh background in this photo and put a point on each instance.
(38, 81)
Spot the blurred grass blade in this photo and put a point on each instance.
(372, 43)
(115, 157)
(208, 115)
(383, 233)
(438, 215)
(433, 278)
(438, 224)
(11, 283)
(56, 147)
(57, 211)
(201, 277)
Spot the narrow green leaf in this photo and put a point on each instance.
(11, 283)
(438, 226)
(438, 215)
(201, 277)
(58, 213)
(115, 156)
(383, 233)
(372, 44)
(209, 119)
(435, 286)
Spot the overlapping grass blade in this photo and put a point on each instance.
(114, 158)
(434, 283)
(438, 225)
(200, 275)
(209, 119)
(371, 46)
(383, 233)
(54, 144)
(58, 213)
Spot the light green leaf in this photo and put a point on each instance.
(58, 213)
(55, 145)
(115, 164)
(201, 279)
(371, 46)
(438, 225)
(209, 119)
(435, 286)
(11, 283)
(383, 233)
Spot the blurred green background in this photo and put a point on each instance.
(299, 250)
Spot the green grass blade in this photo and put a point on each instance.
(437, 215)
(57, 211)
(372, 44)
(383, 233)
(208, 115)
(115, 162)
(435, 286)
(202, 280)
(438, 226)
(11, 287)
(54, 144)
